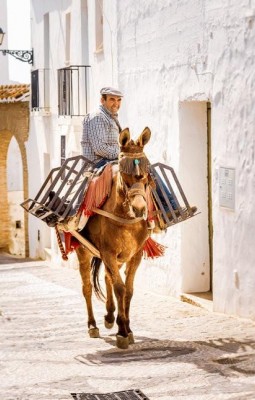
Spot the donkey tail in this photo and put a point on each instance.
(95, 268)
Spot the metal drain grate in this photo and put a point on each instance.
(125, 395)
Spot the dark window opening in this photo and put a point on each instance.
(18, 224)
(40, 99)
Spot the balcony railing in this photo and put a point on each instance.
(40, 84)
(73, 90)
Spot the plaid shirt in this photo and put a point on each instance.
(100, 136)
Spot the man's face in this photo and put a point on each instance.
(112, 103)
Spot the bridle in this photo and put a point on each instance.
(130, 164)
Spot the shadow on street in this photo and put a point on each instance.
(6, 258)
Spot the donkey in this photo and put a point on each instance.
(119, 235)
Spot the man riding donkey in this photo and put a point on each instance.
(122, 200)
(101, 149)
(100, 145)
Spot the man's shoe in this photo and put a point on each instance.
(186, 211)
(193, 209)
(183, 213)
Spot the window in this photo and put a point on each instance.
(35, 89)
(40, 90)
(73, 90)
(68, 37)
(46, 34)
(99, 26)
(84, 33)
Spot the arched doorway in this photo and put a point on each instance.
(15, 195)
(14, 125)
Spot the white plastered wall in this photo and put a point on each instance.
(165, 59)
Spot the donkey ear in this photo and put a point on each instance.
(144, 137)
(124, 137)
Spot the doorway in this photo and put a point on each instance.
(15, 193)
(195, 176)
(14, 123)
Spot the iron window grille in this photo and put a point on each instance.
(73, 90)
(40, 87)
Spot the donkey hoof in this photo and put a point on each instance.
(131, 339)
(108, 325)
(94, 333)
(122, 342)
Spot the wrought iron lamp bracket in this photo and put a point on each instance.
(22, 55)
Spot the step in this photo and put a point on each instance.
(203, 300)
(48, 254)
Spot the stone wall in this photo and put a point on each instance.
(14, 121)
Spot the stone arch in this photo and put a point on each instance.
(14, 122)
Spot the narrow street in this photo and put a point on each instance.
(181, 352)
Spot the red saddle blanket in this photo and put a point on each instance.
(98, 191)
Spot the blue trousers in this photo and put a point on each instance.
(168, 194)
(102, 162)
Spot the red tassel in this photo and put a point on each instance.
(152, 249)
(71, 243)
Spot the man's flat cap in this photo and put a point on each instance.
(110, 90)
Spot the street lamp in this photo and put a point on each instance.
(22, 55)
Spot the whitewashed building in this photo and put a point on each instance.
(187, 71)
(187, 68)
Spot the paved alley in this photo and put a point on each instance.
(181, 351)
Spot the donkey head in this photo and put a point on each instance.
(134, 169)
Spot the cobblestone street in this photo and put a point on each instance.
(181, 352)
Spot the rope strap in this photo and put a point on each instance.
(60, 245)
(115, 218)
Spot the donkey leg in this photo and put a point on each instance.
(85, 258)
(131, 269)
(119, 291)
(110, 306)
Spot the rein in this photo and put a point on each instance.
(135, 192)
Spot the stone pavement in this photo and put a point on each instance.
(181, 352)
